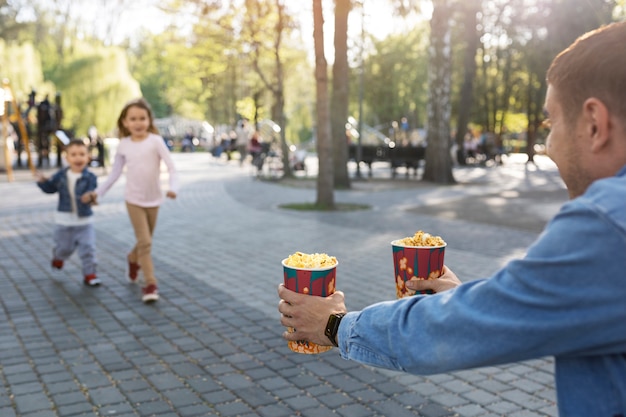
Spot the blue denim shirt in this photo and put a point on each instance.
(566, 298)
(58, 183)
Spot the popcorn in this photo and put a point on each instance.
(310, 261)
(422, 239)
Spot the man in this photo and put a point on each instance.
(566, 298)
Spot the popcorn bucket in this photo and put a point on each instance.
(311, 281)
(420, 262)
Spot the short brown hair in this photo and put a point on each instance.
(76, 142)
(142, 104)
(593, 66)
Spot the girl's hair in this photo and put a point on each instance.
(142, 104)
(593, 66)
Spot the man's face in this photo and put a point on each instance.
(563, 145)
(77, 157)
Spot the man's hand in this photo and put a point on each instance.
(171, 194)
(445, 282)
(308, 314)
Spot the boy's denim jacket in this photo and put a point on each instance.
(58, 183)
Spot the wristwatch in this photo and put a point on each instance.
(332, 326)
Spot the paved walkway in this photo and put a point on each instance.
(212, 346)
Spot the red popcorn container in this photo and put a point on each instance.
(311, 281)
(415, 262)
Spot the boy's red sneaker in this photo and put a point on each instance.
(150, 294)
(57, 263)
(92, 280)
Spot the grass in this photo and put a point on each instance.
(317, 207)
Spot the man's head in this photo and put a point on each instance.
(77, 155)
(586, 107)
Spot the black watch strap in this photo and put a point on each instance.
(332, 326)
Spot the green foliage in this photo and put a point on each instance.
(94, 83)
(395, 80)
(21, 65)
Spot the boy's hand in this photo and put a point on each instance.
(39, 176)
(171, 194)
(90, 197)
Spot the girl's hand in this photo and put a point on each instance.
(171, 194)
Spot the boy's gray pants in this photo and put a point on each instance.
(69, 238)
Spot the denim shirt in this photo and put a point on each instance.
(566, 298)
(58, 183)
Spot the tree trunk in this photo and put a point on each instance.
(325, 192)
(339, 104)
(438, 167)
(469, 63)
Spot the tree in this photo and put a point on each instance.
(260, 15)
(340, 95)
(470, 12)
(438, 165)
(325, 196)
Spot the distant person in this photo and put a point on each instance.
(45, 127)
(255, 150)
(566, 298)
(74, 222)
(187, 142)
(96, 142)
(141, 150)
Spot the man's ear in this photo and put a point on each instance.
(597, 121)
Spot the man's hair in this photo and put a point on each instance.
(142, 104)
(76, 142)
(593, 66)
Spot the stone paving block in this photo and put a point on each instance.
(164, 381)
(368, 395)
(255, 396)
(67, 398)
(233, 409)
(181, 397)
(392, 408)
(354, 410)
(523, 399)
(493, 385)
(142, 396)
(60, 387)
(7, 412)
(219, 397)
(480, 397)
(106, 395)
(435, 410)
(469, 410)
(22, 378)
(27, 403)
(334, 399)
(448, 399)
(196, 410)
(54, 377)
(26, 388)
(154, 408)
(122, 409)
(346, 383)
(503, 407)
(275, 411)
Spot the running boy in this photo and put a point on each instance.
(73, 218)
